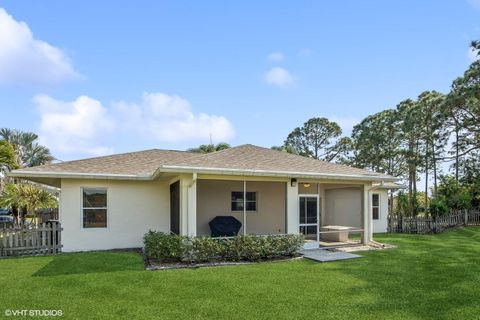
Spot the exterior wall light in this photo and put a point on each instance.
(293, 182)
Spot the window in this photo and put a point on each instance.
(237, 201)
(94, 207)
(375, 206)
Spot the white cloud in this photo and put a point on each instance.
(279, 77)
(25, 60)
(86, 127)
(76, 126)
(276, 56)
(169, 118)
(346, 123)
(473, 54)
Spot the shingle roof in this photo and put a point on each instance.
(244, 158)
(133, 163)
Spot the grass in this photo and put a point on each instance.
(426, 277)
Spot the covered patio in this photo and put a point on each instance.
(326, 212)
(259, 205)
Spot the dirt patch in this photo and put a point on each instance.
(370, 246)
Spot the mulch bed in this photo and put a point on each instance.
(157, 265)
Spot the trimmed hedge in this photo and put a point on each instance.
(173, 248)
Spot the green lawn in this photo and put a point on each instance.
(426, 277)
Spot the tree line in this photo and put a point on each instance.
(416, 138)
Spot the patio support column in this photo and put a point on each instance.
(292, 223)
(192, 207)
(188, 205)
(244, 207)
(366, 221)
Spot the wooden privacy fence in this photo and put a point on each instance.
(31, 240)
(434, 224)
(474, 218)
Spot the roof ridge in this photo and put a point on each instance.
(297, 156)
(112, 155)
(228, 149)
(310, 158)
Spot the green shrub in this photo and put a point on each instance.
(165, 247)
(457, 196)
(287, 245)
(438, 206)
(173, 248)
(231, 249)
(206, 249)
(249, 248)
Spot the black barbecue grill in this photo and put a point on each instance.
(224, 226)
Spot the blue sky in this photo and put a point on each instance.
(95, 77)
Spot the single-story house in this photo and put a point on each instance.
(110, 202)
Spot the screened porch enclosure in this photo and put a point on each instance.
(325, 212)
(330, 214)
(264, 203)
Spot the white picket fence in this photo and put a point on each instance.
(31, 240)
(434, 224)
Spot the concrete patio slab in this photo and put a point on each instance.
(322, 255)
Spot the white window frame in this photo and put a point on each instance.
(92, 208)
(245, 201)
(378, 206)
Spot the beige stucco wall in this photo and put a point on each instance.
(214, 196)
(343, 207)
(133, 208)
(312, 188)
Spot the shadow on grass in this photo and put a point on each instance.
(91, 262)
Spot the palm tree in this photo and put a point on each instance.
(7, 160)
(28, 197)
(27, 150)
(7, 157)
(208, 148)
(26, 153)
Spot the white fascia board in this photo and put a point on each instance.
(389, 187)
(271, 173)
(77, 175)
(201, 170)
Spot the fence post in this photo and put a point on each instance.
(54, 238)
(466, 217)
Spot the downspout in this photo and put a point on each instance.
(194, 179)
